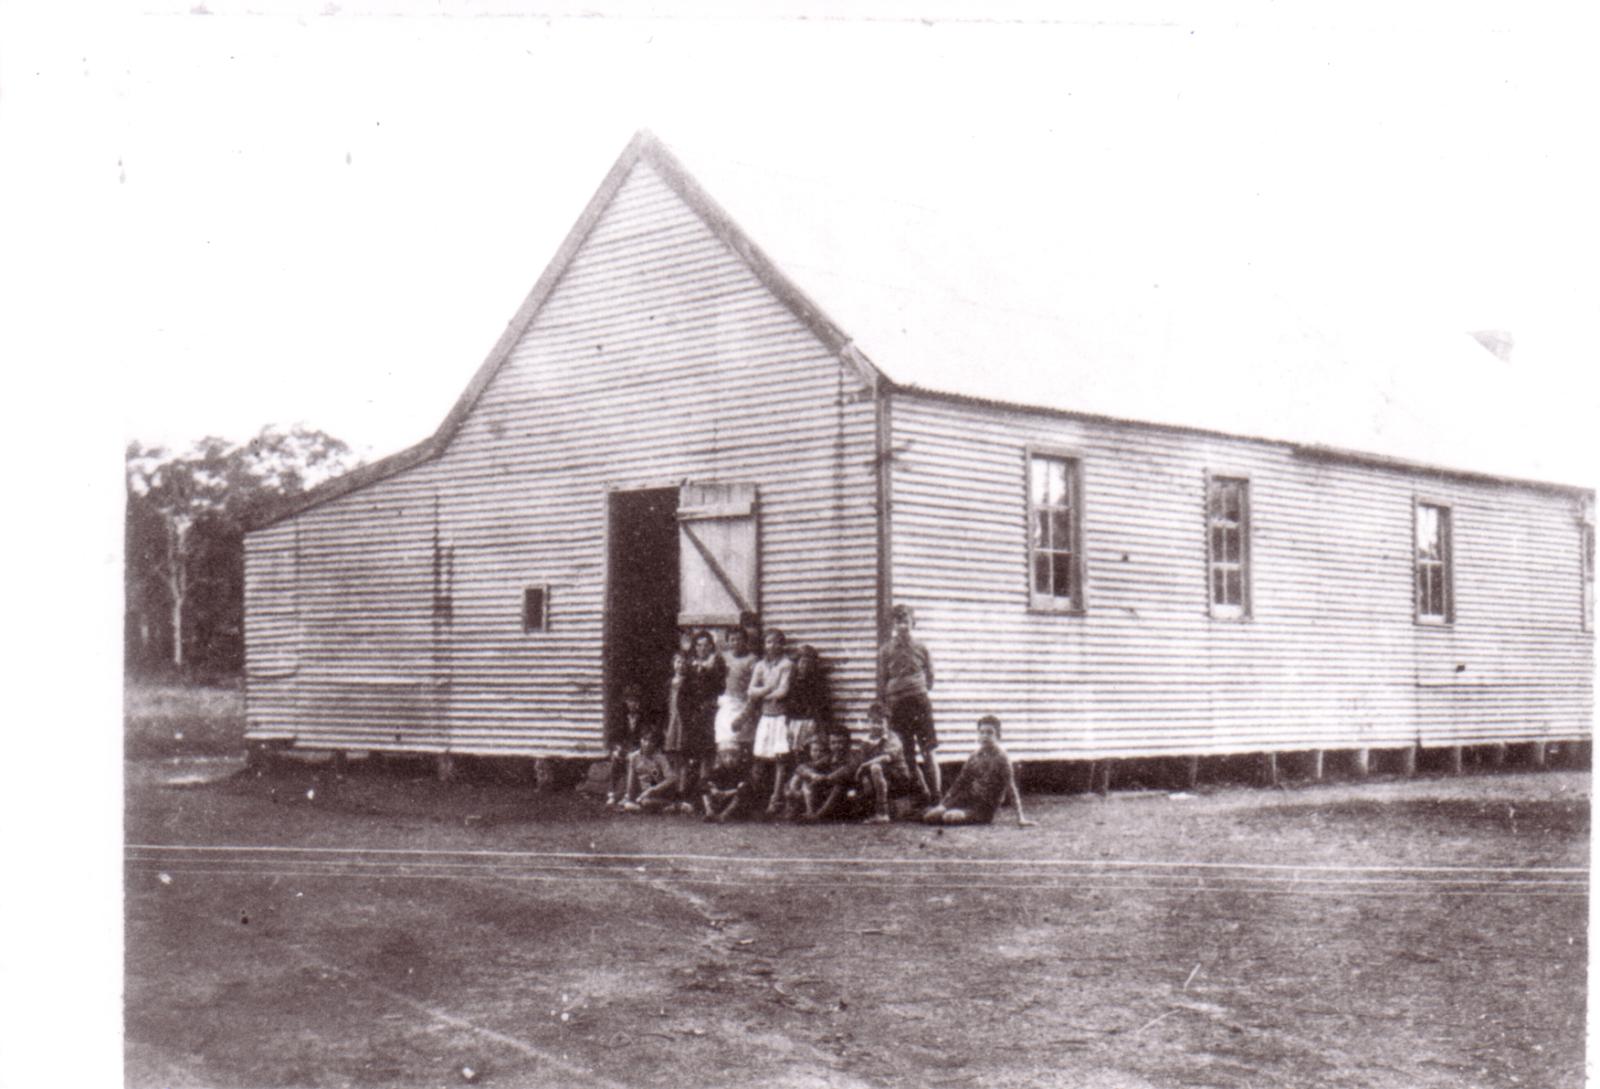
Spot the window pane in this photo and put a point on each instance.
(1041, 572)
(1428, 533)
(1219, 587)
(1049, 481)
(1234, 593)
(1061, 528)
(1433, 590)
(1230, 500)
(1058, 482)
(1041, 529)
(1061, 567)
(1038, 481)
(1218, 546)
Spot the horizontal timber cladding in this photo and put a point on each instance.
(1331, 655)
(271, 629)
(657, 358)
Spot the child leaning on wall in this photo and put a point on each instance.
(769, 685)
(905, 678)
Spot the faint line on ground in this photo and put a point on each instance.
(856, 861)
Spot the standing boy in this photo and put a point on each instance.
(905, 677)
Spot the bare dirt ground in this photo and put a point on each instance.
(300, 928)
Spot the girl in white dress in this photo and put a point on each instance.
(769, 684)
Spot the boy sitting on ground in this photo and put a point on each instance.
(726, 790)
(986, 780)
(816, 765)
(623, 733)
(651, 783)
(884, 772)
(836, 786)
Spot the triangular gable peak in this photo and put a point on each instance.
(644, 147)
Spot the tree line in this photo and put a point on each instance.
(186, 515)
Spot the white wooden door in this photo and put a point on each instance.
(718, 554)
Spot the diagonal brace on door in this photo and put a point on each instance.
(716, 568)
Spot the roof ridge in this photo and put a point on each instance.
(645, 146)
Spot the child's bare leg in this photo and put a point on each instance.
(651, 798)
(780, 775)
(735, 796)
(793, 796)
(617, 777)
(880, 790)
(919, 780)
(808, 795)
(934, 777)
(632, 786)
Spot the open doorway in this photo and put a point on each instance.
(641, 630)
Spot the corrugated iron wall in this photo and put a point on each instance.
(658, 357)
(1331, 657)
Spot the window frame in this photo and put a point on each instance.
(543, 625)
(1446, 563)
(1077, 604)
(1244, 610)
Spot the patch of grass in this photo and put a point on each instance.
(161, 719)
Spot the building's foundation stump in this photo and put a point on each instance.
(1102, 776)
(1361, 762)
(1408, 761)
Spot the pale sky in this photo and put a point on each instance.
(328, 213)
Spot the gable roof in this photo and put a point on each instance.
(643, 147)
(965, 325)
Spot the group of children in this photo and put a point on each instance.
(743, 729)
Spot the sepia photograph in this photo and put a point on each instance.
(865, 546)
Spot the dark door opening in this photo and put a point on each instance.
(642, 598)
